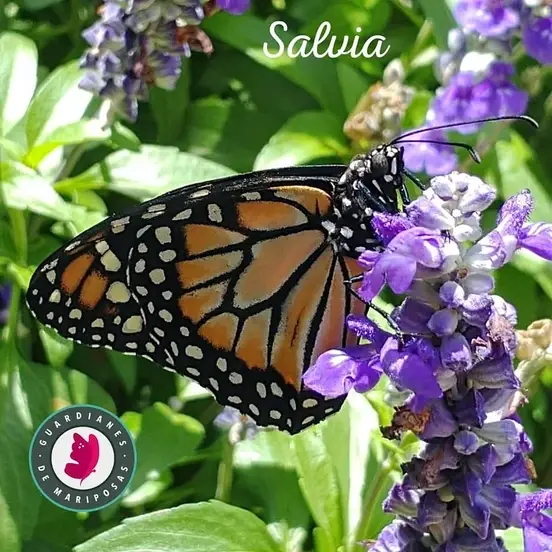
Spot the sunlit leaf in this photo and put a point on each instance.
(206, 526)
(307, 136)
(18, 63)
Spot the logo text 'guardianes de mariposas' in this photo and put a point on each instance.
(82, 458)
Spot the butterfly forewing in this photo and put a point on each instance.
(235, 286)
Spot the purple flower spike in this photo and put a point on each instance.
(460, 389)
(537, 37)
(489, 18)
(337, 371)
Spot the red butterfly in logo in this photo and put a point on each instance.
(86, 455)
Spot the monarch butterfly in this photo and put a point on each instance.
(237, 283)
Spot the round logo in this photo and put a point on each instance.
(82, 458)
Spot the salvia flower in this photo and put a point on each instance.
(139, 43)
(453, 369)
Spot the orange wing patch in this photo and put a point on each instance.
(269, 215)
(93, 289)
(75, 272)
(331, 327)
(274, 261)
(252, 346)
(357, 307)
(315, 201)
(297, 315)
(204, 237)
(220, 331)
(201, 270)
(197, 304)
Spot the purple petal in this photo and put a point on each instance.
(456, 353)
(441, 422)
(482, 463)
(423, 212)
(235, 7)
(477, 309)
(495, 373)
(452, 294)
(443, 322)
(512, 473)
(470, 409)
(407, 370)
(366, 328)
(515, 212)
(537, 37)
(537, 238)
(466, 442)
(336, 371)
(387, 226)
(412, 316)
(398, 536)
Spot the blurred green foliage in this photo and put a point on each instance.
(235, 111)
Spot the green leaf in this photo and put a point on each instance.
(34, 5)
(540, 269)
(57, 348)
(123, 137)
(58, 102)
(440, 15)
(265, 470)
(18, 63)
(248, 34)
(88, 130)
(520, 168)
(25, 402)
(513, 539)
(166, 438)
(24, 189)
(169, 107)
(202, 527)
(307, 136)
(125, 367)
(319, 483)
(153, 171)
(353, 85)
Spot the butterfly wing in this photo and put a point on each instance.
(232, 283)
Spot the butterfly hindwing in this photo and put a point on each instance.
(234, 285)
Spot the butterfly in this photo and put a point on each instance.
(238, 283)
(86, 455)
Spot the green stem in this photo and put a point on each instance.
(225, 473)
(373, 492)
(106, 115)
(19, 234)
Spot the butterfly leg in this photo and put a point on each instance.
(402, 336)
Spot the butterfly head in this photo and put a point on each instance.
(375, 178)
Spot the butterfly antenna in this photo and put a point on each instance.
(525, 118)
(467, 147)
